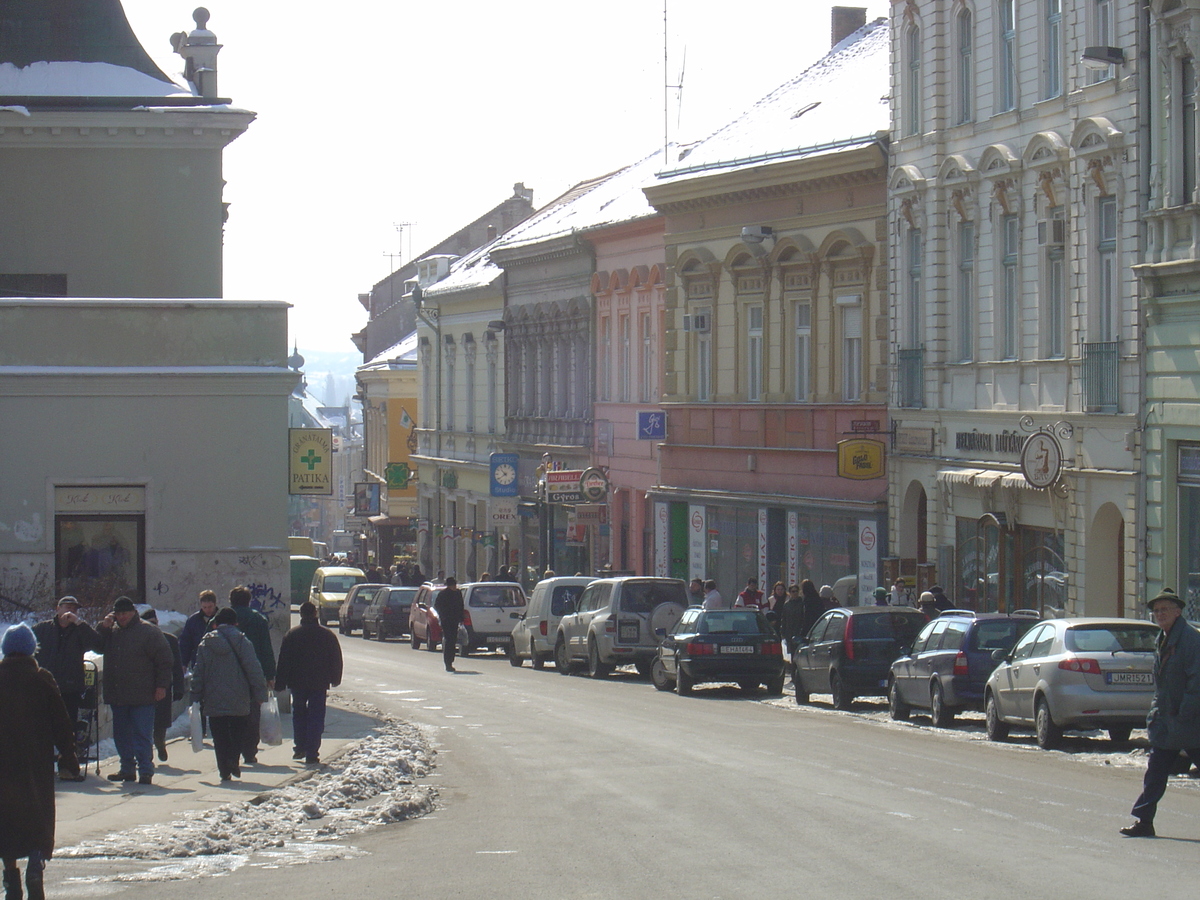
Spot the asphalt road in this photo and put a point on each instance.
(556, 787)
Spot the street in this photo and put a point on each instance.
(567, 787)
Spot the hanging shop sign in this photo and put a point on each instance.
(310, 461)
(860, 459)
(1041, 459)
(593, 485)
(562, 486)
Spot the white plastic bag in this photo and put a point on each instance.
(270, 731)
(197, 726)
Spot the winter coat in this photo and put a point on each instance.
(449, 606)
(310, 658)
(255, 627)
(226, 677)
(792, 621)
(137, 660)
(196, 626)
(33, 722)
(1174, 719)
(60, 651)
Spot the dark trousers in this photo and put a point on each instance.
(162, 721)
(227, 734)
(249, 743)
(449, 642)
(308, 721)
(1158, 770)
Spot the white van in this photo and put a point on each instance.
(490, 610)
(533, 635)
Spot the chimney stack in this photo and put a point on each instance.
(845, 21)
(199, 48)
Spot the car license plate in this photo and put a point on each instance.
(629, 631)
(1129, 678)
(739, 648)
(497, 639)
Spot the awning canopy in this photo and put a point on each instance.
(985, 478)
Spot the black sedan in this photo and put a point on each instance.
(736, 645)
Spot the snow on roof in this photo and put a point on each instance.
(82, 79)
(475, 270)
(840, 101)
(404, 350)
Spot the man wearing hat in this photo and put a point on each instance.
(62, 641)
(881, 596)
(137, 674)
(1173, 724)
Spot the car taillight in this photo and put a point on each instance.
(467, 618)
(542, 628)
(848, 639)
(610, 626)
(1080, 664)
(696, 648)
(772, 648)
(960, 664)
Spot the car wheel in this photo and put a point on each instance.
(365, 633)
(537, 660)
(683, 683)
(1048, 734)
(643, 667)
(997, 728)
(562, 661)
(748, 686)
(430, 645)
(801, 693)
(1119, 734)
(658, 674)
(775, 686)
(941, 716)
(510, 650)
(842, 698)
(342, 629)
(596, 668)
(380, 632)
(415, 641)
(897, 708)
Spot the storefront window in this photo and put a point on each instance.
(999, 569)
(1189, 528)
(99, 558)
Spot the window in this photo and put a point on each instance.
(1010, 293)
(915, 257)
(426, 383)
(603, 360)
(1054, 284)
(966, 291)
(449, 388)
(965, 66)
(1053, 56)
(492, 378)
(912, 83)
(1006, 76)
(852, 354)
(803, 351)
(1106, 258)
(703, 360)
(623, 364)
(1188, 551)
(1103, 35)
(647, 380)
(754, 352)
(469, 411)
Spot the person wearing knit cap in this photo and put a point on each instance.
(34, 722)
(1173, 723)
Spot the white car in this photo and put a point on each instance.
(490, 610)
(533, 635)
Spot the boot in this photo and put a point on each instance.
(33, 881)
(12, 884)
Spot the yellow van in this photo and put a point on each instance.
(330, 584)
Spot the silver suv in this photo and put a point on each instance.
(619, 621)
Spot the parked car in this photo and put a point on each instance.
(949, 662)
(330, 585)
(490, 610)
(533, 635)
(849, 651)
(387, 616)
(615, 622)
(1080, 673)
(720, 645)
(423, 625)
(350, 613)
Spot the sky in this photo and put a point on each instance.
(377, 113)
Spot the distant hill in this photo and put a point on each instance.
(330, 373)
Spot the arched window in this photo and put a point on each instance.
(964, 74)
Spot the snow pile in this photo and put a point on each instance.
(82, 79)
(372, 783)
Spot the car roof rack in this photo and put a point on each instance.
(958, 612)
(1026, 612)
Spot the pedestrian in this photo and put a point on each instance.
(940, 600)
(197, 624)
(449, 606)
(750, 596)
(828, 597)
(900, 595)
(775, 600)
(881, 596)
(791, 620)
(137, 674)
(227, 682)
(61, 643)
(1173, 723)
(310, 663)
(927, 603)
(712, 597)
(257, 630)
(33, 723)
(162, 709)
(813, 605)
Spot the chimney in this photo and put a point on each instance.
(845, 20)
(199, 48)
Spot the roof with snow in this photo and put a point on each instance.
(401, 353)
(840, 102)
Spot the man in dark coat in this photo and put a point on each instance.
(162, 709)
(310, 663)
(257, 630)
(197, 625)
(449, 606)
(62, 642)
(137, 674)
(33, 722)
(1173, 724)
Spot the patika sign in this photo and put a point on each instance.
(310, 461)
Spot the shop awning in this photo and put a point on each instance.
(380, 521)
(985, 478)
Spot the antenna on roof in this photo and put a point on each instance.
(668, 87)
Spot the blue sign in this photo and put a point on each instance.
(652, 426)
(503, 469)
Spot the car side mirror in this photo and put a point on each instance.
(515, 615)
(999, 655)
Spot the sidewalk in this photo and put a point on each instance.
(98, 807)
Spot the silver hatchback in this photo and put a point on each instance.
(1080, 674)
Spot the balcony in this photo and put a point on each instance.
(1101, 384)
(910, 378)
(563, 432)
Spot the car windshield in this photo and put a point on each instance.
(894, 626)
(733, 622)
(564, 598)
(643, 596)
(1111, 638)
(340, 584)
(401, 597)
(496, 596)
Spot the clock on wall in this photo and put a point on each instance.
(503, 468)
(505, 474)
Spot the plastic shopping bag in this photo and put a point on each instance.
(270, 731)
(197, 726)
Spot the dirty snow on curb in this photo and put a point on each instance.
(374, 782)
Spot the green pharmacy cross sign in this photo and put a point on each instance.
(310, 459)
(399, 475)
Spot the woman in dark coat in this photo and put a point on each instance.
(33, 722)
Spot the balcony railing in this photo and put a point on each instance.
(1101, 384)
(910, 377)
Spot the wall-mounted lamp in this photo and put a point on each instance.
(1102, 57)
(756, 234)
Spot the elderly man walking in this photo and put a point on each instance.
(257, 630)
(1173, 724)
(310, 663)
(137, 674)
